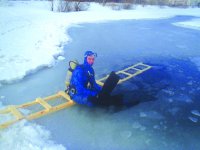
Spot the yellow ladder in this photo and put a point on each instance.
(128, 73)
(15, 110)
(124, 74)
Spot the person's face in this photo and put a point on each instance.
(90, 60)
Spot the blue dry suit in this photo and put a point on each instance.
(82, 75)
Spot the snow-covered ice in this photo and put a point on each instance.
(193, 24)
(31, 35)
(24, 135)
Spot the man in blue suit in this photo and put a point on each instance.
(83, 81)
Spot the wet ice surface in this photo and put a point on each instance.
(167, 116)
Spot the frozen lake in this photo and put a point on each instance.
(167, 116)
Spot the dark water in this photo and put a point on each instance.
(167, 93)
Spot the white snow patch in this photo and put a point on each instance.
(61, 58)
(192, 24)
(25, 135)
(29, 136)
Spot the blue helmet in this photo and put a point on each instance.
(90, 53)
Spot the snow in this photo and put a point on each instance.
(61, 58)
(193, 24)
(29, 136)
(31, 35)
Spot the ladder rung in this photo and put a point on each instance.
(43, 103)
(136, 68)
(66, 96)
(100, 83)
(144, 65)
(123, 72)
(4, 111)
(16, 112)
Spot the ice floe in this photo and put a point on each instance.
(195, 112)
(193, 119)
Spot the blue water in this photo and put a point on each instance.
(167, 93)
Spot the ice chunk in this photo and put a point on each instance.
(152, 115)
(142, 114)
(126, 134)
(193, 119)
(61, 58)
(195, 112)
